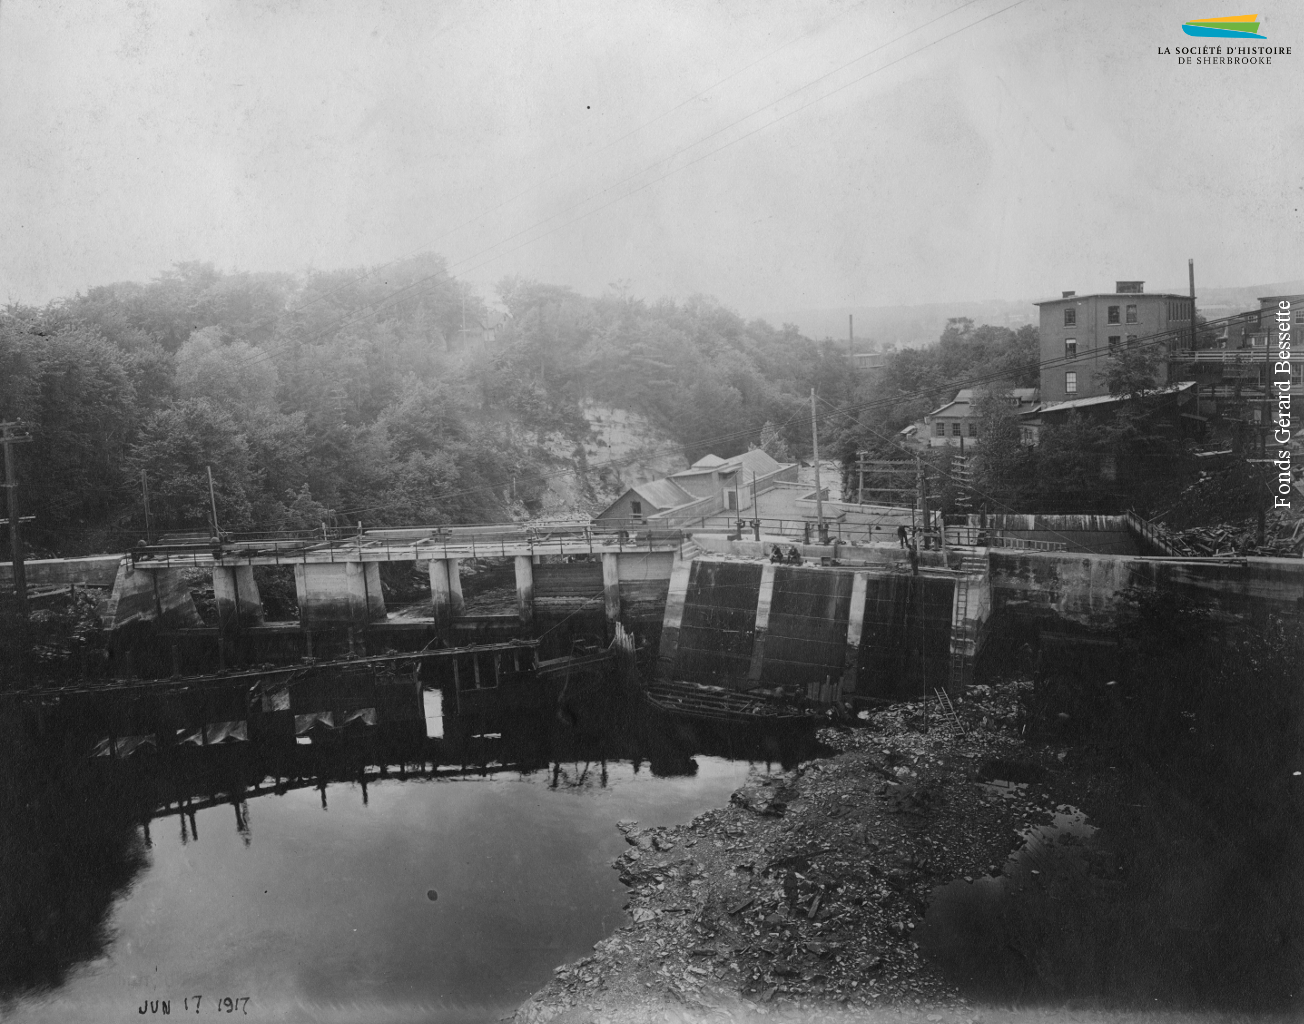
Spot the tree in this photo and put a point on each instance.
(75, 390)
(1002, 462)
(1072, 458)
(176, 446)
(236, 377)
(772, 442)
(1131, 371)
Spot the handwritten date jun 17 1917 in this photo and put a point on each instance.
(192, 1004)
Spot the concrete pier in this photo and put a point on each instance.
(611, 587)
(157, 597)
(676, 596)
(338, 593)
(855, 628)
(524, 589)
(445, 591)
(235, 593)
(763, 604)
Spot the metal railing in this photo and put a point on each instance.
(980, 537)
(1150, 534)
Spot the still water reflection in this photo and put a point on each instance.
(314, 902)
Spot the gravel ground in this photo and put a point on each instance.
(798, 901)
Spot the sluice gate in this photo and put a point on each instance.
(829, 632)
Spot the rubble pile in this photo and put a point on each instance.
(804, 892)
(1283, 537)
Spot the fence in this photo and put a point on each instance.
(974, 536)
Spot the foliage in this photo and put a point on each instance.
(1131, 370)
(175, 449)
(773, 443)
(76, 391)
(61, 638)
(360, 395)
(916, 381)
(1002, 461)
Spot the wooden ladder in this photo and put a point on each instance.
(960, 634)
(948, 709)
(972, 564)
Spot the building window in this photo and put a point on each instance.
(939, 429)
(973, 429)
(1113, 314)
(955, 429)
(636, 509)
(731, 498)
(1070, 317)
(1299, 316)
(1070, 383)
(1114, 341)
(1131, 340)
(1070, 348)
(1131, 314)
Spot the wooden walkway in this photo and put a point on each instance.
(407, 545)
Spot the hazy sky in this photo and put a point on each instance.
(985, 152)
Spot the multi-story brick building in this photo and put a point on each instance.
(1078, 333)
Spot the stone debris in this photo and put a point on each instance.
(1283, 537)
(805, 891)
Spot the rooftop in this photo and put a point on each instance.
(756, 461)
(965, 397)
(1083, 403)
(1074, 297)
(663, 494)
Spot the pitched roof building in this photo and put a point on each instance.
(708, 486)
(957, 422)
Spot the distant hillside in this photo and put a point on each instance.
(912, 326)
(906, 326)
(1217, 302)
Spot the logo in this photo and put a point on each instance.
(1238, 26)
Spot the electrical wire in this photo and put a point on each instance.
(345, 323)
(272, 321)
(689, 163)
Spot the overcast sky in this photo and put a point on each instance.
(956, 149)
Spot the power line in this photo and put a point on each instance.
(1162, 337)
(645, 454)
(428, 250)
(344, 322)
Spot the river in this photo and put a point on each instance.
(449, 898)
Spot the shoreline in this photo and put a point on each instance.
(803, 895)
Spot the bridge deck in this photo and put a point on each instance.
(404, 546)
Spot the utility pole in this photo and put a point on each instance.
(815, 450)
(212, 500)
(1190, 273)
(11, 434)
(922, 483)
(756, 511)
(149, 525)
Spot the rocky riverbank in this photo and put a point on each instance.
(801, 898)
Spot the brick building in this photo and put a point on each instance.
(1078, 332)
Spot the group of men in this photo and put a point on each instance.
(793, 557)
(906, 536)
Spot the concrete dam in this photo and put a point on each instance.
(853, 621)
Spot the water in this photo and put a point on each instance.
(974, 929)
(317, 902)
